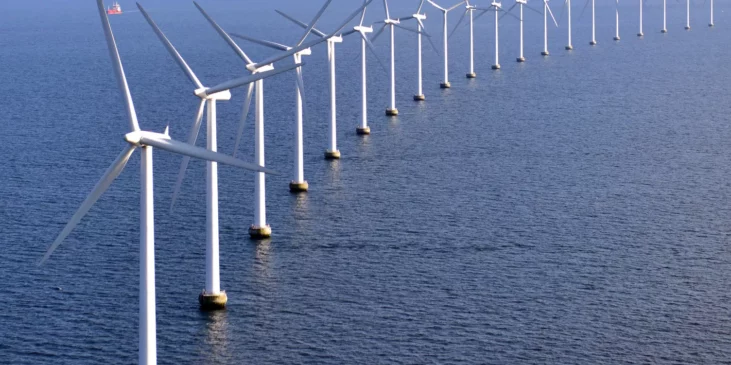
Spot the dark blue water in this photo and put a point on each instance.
(569, 210)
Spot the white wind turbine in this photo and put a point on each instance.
(616, 17)
(711, 23)
(260, 229)
(469, 9)
(212, 297)
(593, 20)
(445, 36)
(146, 141)
(546, 11)
(664, 17)
(687, 14)
(421, 28)
(392, 23)
(640, 33)
(521, 3)
(497, 8)
(567, 4)
(363, 129)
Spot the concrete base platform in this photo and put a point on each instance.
(496, 67)
(392, 112)
(663, 31)
(520, 59)
(332, 155)
(211, 302)
(616, 38)
(710, 25)
(544, 53)
(258, 233)
(471, 75)
(569, 47)
(593, 43)
(445, 85)
(640, 34)
(420, 97)
(687, 28)
(298, 187)
(362, 131)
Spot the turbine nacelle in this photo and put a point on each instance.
(524, 2)
(363, 29)
(496, 4)
(336, 39)
(392, 21)
(221, 95)
(419, 16)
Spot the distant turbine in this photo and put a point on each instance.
(497, 8)
(469, 9)
(521, 3)
(547, 11)
(711, 23)
(420, 17)
(391, 23)
(664, 17)
(260, 228)
(687, 14)
(212, 297)
(616, 13)
(567, 3)
(640, 34)
(445, 37)
(146, 141)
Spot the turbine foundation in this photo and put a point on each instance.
(332, 155)
(710, 25)
(363, 131)
(445, 85)
(616, 38)
(593, 43)
(687, 27)
(520, 59)
(298, 187)
(544, 53)
(258, 233)
(664, 31)
(392, 112)
(419, 97)
(569, 47)
(212, 302)
(640, 34)
(496, 67)
(471, 75)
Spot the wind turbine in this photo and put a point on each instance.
(146, 141)
(521, 3)
(445, 36)
(363, 129)
(616, 13)
(469, 9)
(260, 229)
(546, 11)
(567, 3)
(421, 28)
(496, 7)
(711, 23)
(392, 23)
(212, 297)
(640, 34)
(593, 23)
(687, 14)
(664, 17)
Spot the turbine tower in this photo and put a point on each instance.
(497, 8)
(212, 297)
(664, 17)
(711, 23)
(145, 141)
(616, 17)
(445, 37)
(569, 46)
(593, 24)
(547, 11)
(687, 14)
(640, 34)
(421, 29)
(521, 3)
(469, 9)
(260, 229)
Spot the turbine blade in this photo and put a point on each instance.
(109, 176)
(433, 46)
(301, 24)
(423, 27)
(563, 8)
(244, 114)
(378, 33)
(362, 16)
(436, 6)
(551, 14)
(118, 69)
(373, 50)
(461, 19)
(586, 4)
(225, 36)
(232, 84)
(385, 6)
(421, 5)
(509, 13)
(192, 137)
(301, 87)
(262, 42)
(409, 29)
(534, 9)
(163, 142)
(483, 12)
(405, 18)
(314, 21)
(171, 49)
(455, 6)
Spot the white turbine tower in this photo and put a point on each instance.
(616, 17)
(567, 4)
(687, 14)
(146, 141)
(497, 8)
(593, 23)
(521, 4)
(711, 23)
(421, 28)
(469, 9)
(664, 17)
(260, 228)
(392, 23)
(363, 129)
(445, 37)
(298, 183)
(640, 33)
(547, 11)
(212, 297)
